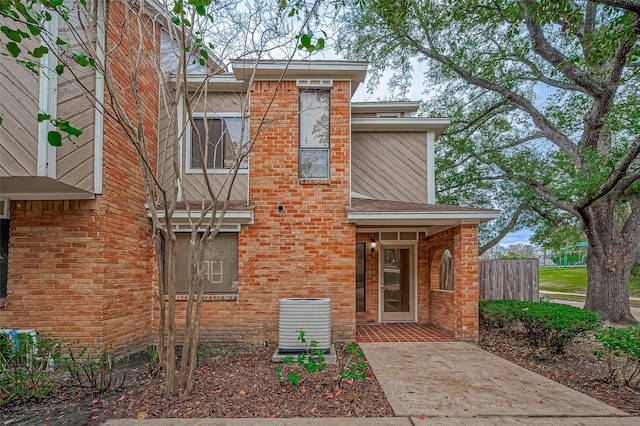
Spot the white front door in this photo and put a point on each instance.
(397, 283)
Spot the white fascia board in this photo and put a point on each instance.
(48, 100)
(98, 139)
(431, 168)
(293, 70)
(400, 124)
(371, 107)
(358, 217)
(232, 216)
(50, 196)
(215, 83)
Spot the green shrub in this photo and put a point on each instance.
(621, 353)
(93, 368)
(546, 324)
(311, 360)
(26, 366)
(355, 368)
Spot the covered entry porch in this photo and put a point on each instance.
(417, 263)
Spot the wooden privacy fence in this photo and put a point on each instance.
(508, 279)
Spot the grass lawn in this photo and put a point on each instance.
(572, 280)
(568, 280)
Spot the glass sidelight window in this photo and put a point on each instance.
(360, 277)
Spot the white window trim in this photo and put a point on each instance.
(323, 149)
(188, 147)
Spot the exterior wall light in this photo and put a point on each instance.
(373, 245)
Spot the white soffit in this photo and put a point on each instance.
(231, 216)
(382, 107)
(419, 218)
(400, 124)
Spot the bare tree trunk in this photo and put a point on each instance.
(610, 258)
(170, 245)
(161, 349)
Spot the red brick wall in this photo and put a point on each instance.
(371, 277)
(130, 273)
(457, 310)
(55, 274)
(85, 270)
(465, 281)
(308, 249)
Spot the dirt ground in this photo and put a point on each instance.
(233, 381)
(239, 381)
(577, 368)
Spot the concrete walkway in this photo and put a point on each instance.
(450, 383)
(456, 380)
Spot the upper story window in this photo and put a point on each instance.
(313, 160)
(222, 140)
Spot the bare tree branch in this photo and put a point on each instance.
(539, 119)
(630, 5)
(549, 53)
(618, 179)
(504, 231)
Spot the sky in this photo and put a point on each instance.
(519, 237)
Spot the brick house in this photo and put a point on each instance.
(336, 200)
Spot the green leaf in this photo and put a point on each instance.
(42, 117)
(80, 59)
(201, 10)
(13, 49)
(176, 20)
(40, 51)
(305, 40)
(178, 7)
(11, 34)
(73, 131)
(60, 69)
(54, 138)
(60, 42)
(0, 121)
(34, 29)
(320, 44)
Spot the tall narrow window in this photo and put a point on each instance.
(361, 279)
(221, 139)
(314, 135)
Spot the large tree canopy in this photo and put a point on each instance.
(544, 98)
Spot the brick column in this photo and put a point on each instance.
(465, 264)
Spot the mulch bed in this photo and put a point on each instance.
(577, 368)
(239, 381)
(233, 381)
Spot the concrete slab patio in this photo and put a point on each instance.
(460, 381)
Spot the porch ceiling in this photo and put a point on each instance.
(40, 188)
(364, 212)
